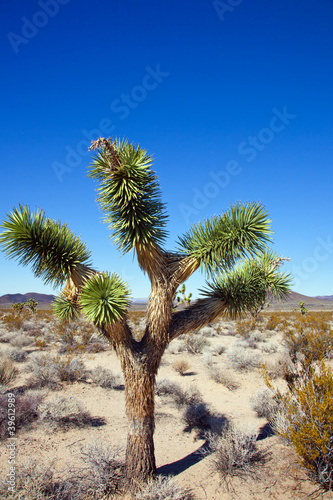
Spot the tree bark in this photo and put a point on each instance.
(140, 368)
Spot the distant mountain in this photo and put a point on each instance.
(42, 298)
(324, 297)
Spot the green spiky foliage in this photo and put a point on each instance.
(129, 194)
(104, 298)
(246, 287)
(49, 247)
(223, 239)
(65, 309)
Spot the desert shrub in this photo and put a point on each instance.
(195, 343)
(101, 474)
(308, 341)
(223, 377)
(40, 343)
(235, 453)
(21, 341)
(8, 372)
(104, 378)
(176, 347)
(48, 370)
(163, 488)
(308, 411)
(18, 355)
(181, 366)
(273, 321)
(218, 349)
(197, 416)
(269, 347)
(95, 345)
(242, 359)
(277, 368)
(208, 331)
(264, 404)
(13, 320)
(258, 336)
(33, 481)
(179, 396)
(207, 359)
(245, 326)
(26, 411)
(64, 412)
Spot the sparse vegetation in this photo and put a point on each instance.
(8, 372)
(105, 378)
(64, 412)
(236, 453)
(163, 488)
(181, 366)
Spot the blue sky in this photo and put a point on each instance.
(233, 98)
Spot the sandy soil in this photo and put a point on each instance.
(176, 450)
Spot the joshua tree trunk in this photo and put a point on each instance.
(140, 363)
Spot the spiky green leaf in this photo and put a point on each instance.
(129, 194)
(223, 239)
(51, 249)
(104, 298)
(65, 309)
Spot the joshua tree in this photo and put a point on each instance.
(225, 247)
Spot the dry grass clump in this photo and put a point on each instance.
(64, 412)
(223, 377)
(179, 396)
(181, 366)
(105, 378)
(26, 410)
(18, 355)
(197, 416)
(163, 488)
(235, 453)
(195, 343)
(48, 370)
(102, 473)
(242, 359)
(99, 477)
(8, 372)
(265, 404)
(245, 326)
(208, 331)
(21, 341)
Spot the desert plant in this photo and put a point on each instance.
(242, 359)
(235, 453)
(32, 304)
(308, 411)
(265, 404)
(18, 355)
(129, 195)
(25, 408)
(48, 370)
(181, 366)
(195, 343)
(223, 377)
(163, 488)
(181, 297)
(104, 378)
(64, 412)
(8, 372)
(21, 341)
(18, 306)
(197, 416)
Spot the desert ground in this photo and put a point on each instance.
(221, 365)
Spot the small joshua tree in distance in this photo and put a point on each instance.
(224, 247)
